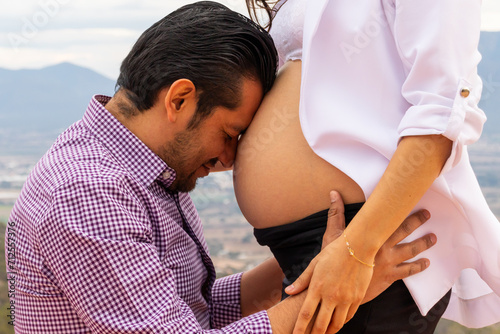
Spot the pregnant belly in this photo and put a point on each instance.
(278, 179)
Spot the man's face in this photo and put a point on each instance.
(194, 152)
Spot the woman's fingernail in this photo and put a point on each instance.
(289, 288)
(427, 214)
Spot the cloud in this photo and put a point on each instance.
(92, 33)
(99, 49)
(64, 14)
(98, 34)
(491, 15)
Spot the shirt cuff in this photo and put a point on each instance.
(226, 300)
(257, 323)
(227, 309)
(466, 123)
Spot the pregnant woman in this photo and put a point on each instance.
(378, 100)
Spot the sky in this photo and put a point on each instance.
(99, 33)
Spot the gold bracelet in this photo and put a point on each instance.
(351, 251)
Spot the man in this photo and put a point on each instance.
(108, 240)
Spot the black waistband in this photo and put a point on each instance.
(298, 232)
(294, 245)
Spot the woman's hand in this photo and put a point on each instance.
(338, 284)
(324, 295)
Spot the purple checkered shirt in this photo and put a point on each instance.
(102, 246)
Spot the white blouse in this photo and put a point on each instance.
(376, 71)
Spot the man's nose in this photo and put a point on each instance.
(229, 154)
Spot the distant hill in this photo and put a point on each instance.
(489, 70)
(48, 99)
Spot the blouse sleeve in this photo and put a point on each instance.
(437, 42)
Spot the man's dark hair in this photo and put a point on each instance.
(204, 42)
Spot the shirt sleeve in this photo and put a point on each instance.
(227, 308)
(437, 42)
(97, 243)
(226, 299)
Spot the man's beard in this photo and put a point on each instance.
(180, 155)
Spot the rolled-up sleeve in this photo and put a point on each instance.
(437, 42)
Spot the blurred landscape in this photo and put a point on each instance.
(36, 105)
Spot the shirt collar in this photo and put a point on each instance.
(144, 165)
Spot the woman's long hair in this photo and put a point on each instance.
(270, 8)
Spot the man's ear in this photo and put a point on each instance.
(181, 100)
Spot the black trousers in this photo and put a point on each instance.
(395, 312)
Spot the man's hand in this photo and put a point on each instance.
(390, 259)
(335, 225)
(389, 264)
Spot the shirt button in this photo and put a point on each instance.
(167, 175)
(465, 92)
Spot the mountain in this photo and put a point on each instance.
(48, 99)
(489, 70)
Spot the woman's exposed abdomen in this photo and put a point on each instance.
(278, 179)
